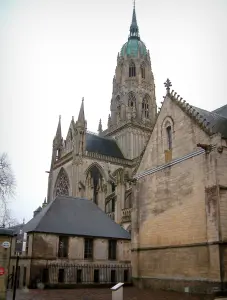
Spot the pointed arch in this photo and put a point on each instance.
(95, 175)
(145, 106)
(95, 164)
(142, 70)
(131, 100)
(62, 185)
(132, 69)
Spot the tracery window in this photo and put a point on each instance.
(145, 106)
(142, 70)
(62, 184)
(131, 100)
(132, 69)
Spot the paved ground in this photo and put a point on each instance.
(130, 293)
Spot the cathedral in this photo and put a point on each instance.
(100, 167)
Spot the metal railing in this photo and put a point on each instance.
(55, 274)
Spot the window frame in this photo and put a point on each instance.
(88, 248)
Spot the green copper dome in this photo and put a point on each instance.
(133, 47)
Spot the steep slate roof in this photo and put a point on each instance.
(75, 216)
(211, 122)
(102, 145)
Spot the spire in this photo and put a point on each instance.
(81, 117)
(134, 29)
(100, 126)
(58, 132)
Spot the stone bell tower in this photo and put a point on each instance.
(133, 104)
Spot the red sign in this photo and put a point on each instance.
(2, 271)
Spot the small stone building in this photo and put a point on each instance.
(179, 229)
(71, 241)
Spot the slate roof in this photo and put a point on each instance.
(77, 217)
(216, 118)
(102, 145)
(6, 232)
(212, 122)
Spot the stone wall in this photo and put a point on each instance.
(176, 209)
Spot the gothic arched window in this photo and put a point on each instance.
(145, 107)
(131, 100)
(169, 136)
(132, 69)
(96, 178)
(62, 184)
(142, 70)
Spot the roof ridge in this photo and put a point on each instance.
(191, 111)
(103, 137)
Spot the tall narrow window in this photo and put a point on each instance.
(58, 154)
(142, 70)
(88, 248)
(112, 249)
(169, 137)
(63, 246)
(145, 107)
(131, 100)
(132, 69)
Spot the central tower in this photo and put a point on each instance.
(133, 104)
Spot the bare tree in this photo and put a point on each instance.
(7, 189)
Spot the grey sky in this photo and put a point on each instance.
(54, 52)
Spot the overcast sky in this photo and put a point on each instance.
(54, 52)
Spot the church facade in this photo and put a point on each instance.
(100, 167)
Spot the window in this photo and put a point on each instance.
(63, 246)
(112, 249)
(58, 154)
(62, 184)
(113, 205)
(27, 245)
(169, 137)
(96, 179)
(142, 70)
(132, 69)
(61, 275)
(112, 187)
(88, 248)
(131, 100)
(145, 107)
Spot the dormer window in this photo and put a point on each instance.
(132, 69)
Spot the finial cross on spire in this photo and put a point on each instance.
(167, 84)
